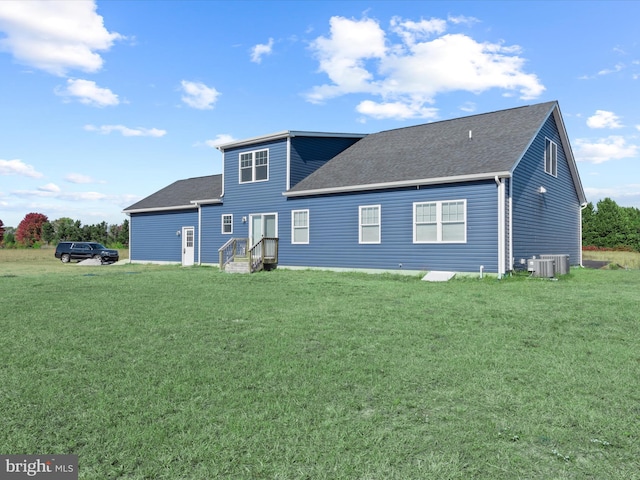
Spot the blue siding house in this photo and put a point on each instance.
(484, 192)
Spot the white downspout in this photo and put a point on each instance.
(199, 234)
(582, 207)
(501, 227)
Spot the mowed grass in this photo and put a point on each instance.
(615, 259)
(161, 372)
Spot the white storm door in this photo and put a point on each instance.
(264, 225)
(188, 246)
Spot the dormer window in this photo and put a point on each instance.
(254, 166)
(550, 157)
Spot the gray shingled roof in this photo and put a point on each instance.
(434, 150)
(182, 193)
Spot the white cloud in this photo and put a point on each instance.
(261, 50)
(50, 187)
(411, 31)
(638, 127)
(89, 93)
(468, 107)
(397, 110)
(609, 71)
(126, 131)
(614, 147)
(604, 119)
(627, 195)
(198, 95)
(55, 36)
(461, 19)
(78, 178)
(220, 139)
(358, 57)
(18, 167)
(49, 191)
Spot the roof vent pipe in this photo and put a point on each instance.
(470, 134)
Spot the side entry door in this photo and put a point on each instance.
(188, 246)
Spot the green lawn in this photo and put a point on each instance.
(150, 372)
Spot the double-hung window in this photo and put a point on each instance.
(370, 224)
(440, 222)
(227, 224)
(550, 157)
(254, 166)
(300, 226)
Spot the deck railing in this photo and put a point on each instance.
(235, 247)
(262, 255)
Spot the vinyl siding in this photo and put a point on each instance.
(545, 223)
(153, 235)
(334, 223)
(310, 153)
(212, 238)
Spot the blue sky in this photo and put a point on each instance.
(103, 103)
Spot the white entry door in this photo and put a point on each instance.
(188, 246)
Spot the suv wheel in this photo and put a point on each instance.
(98, 257)
(65, 258)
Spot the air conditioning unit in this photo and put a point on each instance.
(541, 267)
(561, 263)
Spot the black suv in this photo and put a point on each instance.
(67, 251)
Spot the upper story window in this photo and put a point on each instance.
(254, 166)
(440, 222)
(550, 157)
(369, 224)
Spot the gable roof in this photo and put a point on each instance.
(475, 147)
(181, 194)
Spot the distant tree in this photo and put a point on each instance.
(119, 234)
(124, 233)
(589, 232)
(65, 229)
(9, 237)
(610, 226)
(48, 232)
(1, 232)
(30, 229)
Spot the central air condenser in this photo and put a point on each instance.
(541, 267)
(561, 263)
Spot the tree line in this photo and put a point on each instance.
(36, 230)
(609, 226)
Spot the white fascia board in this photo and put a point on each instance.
(160, 209)
(403, 183)
(285, 134)
(208, 201)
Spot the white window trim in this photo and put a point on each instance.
(293, 227)
(553, 165)
(360, 225)
(222, 223)
(439, 222)
(253, 166)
